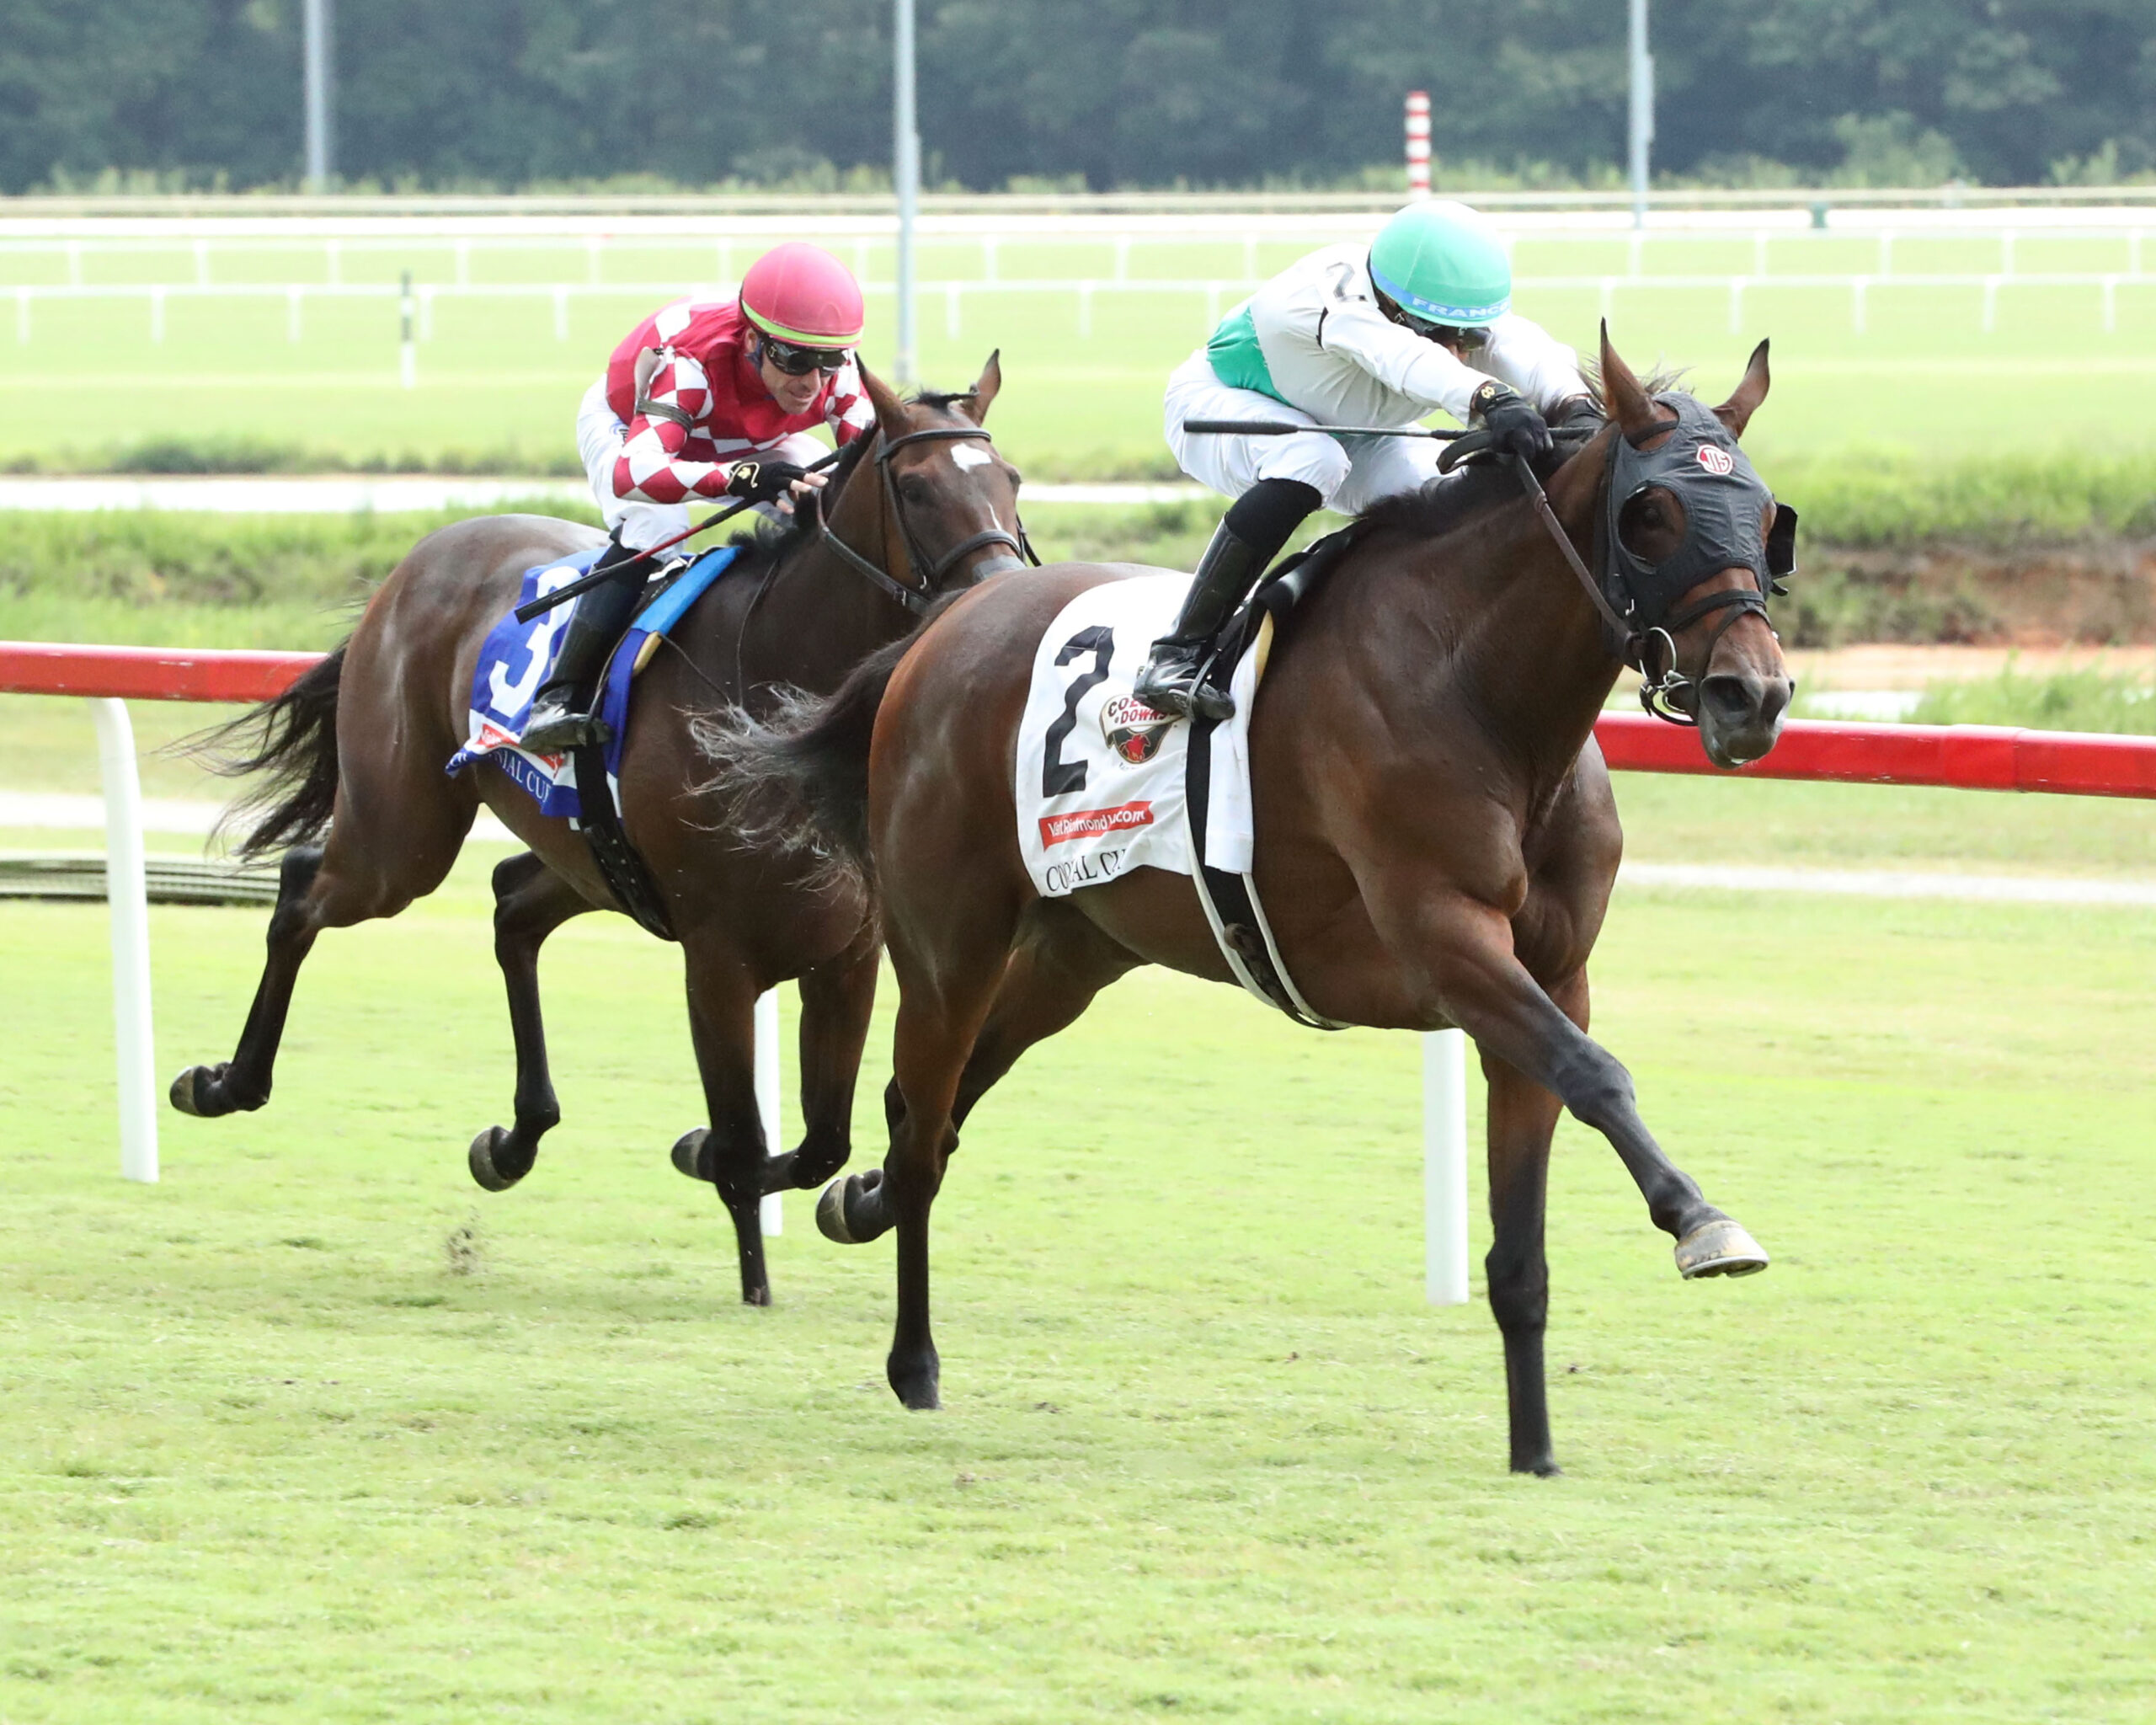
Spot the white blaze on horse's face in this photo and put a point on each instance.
(968, 458)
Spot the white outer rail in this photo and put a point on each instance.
(1444, 1167)
(1214, 292)
(127, 893)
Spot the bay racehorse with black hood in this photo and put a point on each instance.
(1435, 836)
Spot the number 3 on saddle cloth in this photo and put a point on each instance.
(516, 657)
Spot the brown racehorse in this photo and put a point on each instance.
(1436, 845)
(358, 744)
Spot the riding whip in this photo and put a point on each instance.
(584, 583)
(1287, 428)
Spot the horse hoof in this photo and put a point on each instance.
(838, 1212)
(484, 1167)
(200, 1091)
(830, 1213)
(1718, 1248)
(688, 1154)
(183, 1093)
(757, 1296)
(917, 1389)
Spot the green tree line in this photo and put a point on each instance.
(1103, 94)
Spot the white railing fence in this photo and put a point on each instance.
(1215, 293)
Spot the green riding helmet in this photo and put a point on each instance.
(1441, 263)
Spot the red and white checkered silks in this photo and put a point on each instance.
(705, 374)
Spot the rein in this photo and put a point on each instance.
(922, 593)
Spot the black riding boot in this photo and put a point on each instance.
(562, 713)
(1249, 537)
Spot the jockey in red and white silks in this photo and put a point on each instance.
(704, 398)
(684, 399)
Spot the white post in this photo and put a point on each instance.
(1642, 111)
(1444, 1167)
(129, 897)
(408, 359)
(905, 174)
(1418, 146)
(771, 1213)
(319, 77)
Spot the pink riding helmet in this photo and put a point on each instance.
(800, 293)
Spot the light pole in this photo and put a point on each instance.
(320, 77)
(905, 175)
(1643, 126)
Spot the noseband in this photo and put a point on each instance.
(926, 575)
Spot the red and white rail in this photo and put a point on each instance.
(1968, 757)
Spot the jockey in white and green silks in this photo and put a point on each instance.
(1351, 335)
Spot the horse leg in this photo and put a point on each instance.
(531, 902)
(1048, 983)
(243, 1082)
(837, 997)
(1522, 1116)
(731, 1152)
(944, 999)
(1475, 978)
(360, 874)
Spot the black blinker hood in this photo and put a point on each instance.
(1722, 497)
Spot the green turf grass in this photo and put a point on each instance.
(267, 1455)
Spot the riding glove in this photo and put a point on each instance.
(1515, 424)
(761, 481)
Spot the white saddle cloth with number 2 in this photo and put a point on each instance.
(1100, 785)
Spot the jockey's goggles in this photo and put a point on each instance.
(800, 361)
(1466, 337)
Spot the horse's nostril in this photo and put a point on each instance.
(1733, 698)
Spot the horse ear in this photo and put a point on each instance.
(890, 410)
(985, 387)
(1744, 400)
(1622, 395)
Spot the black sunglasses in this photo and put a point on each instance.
(1468, 337)
(800, 361)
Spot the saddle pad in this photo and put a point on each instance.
(517, 658)
(1099, 775)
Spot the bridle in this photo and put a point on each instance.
(927, 574)
(1631, 634)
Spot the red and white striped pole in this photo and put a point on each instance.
(1418, 143)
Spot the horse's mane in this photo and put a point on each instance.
(1444, 503)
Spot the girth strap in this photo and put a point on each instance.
(619, 862)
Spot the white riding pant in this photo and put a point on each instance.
(1349, 473)
(599, 439)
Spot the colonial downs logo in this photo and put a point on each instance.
(1134, 729)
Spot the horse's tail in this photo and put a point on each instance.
(291, 739)
(797, 783)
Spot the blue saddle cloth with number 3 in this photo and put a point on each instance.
(517, 658)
